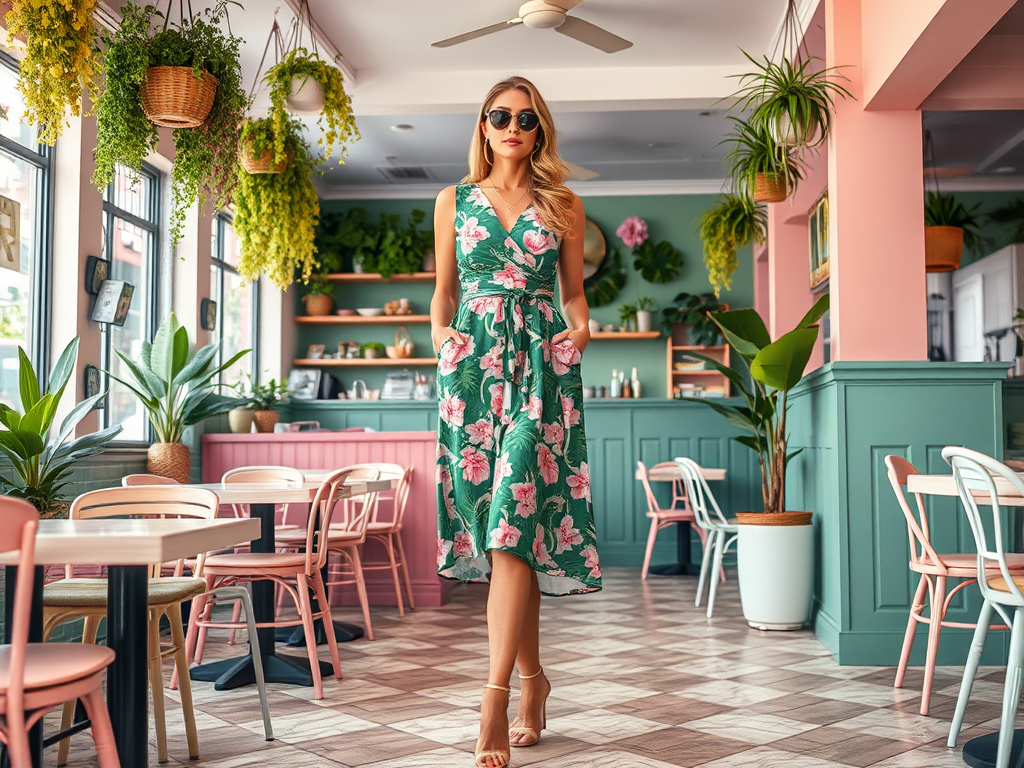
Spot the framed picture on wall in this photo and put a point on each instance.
(817, 232)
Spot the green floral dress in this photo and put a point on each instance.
(512, 468)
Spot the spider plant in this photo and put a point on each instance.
(756, 151)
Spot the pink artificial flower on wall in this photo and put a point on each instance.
(633, 231)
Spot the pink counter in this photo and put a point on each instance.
(333, 450)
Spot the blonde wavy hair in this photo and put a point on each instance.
(546, 182)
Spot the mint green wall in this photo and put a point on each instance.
(669, 217)
(987, 202)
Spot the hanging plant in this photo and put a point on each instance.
(734, 221)
(60, 60)
(759, 166)
(256, 149)
(206, 156)
(276, 214)
(298, 70)
(603, 286)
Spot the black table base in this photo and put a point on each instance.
(683, 565)
(295, 637)
(981, 752)
(127, 636)
(239, 671)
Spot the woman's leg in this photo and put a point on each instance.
(534, 690)
(507, 604)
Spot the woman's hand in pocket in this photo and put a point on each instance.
(580, 338)
(440, 334)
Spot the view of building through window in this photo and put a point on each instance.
(237, 313)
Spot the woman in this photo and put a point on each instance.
(513, 483)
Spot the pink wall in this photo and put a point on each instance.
(333, 450)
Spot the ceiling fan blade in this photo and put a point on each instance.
(476, 33)
(592, 35)
(565, 5)
(579, 173)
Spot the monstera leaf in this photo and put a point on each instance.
(657, 263)
(603, 286)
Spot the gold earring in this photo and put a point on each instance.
(487, 145)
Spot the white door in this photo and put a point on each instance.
(968, 320)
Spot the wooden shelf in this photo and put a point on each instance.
(360, 320)
(706, 377)
(696, 373)
(697, 348)
(370, 277)
(624, 335)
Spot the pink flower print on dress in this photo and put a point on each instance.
(471, 233)
(451, 409)
(534, 408)
(492, 360)
(475, 467)
(570, 415)
(478, 198)
(463, 544)
(518, 255)
(554, 435)
(483, 305)
(540, 549)
(547, 464)
(509, 278)
(538, 242)
(454, 352)
(497, 398)
(545, 309)
(518, 321)
(591, 560)
(580, 482)
(481, 433)
(502, 469)
(633, 231)
(568, 537)
(505, 535)
(564, 356)
(526, 495)
(443, 548)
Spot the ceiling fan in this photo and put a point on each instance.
(549, 14)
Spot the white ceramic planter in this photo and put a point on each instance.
(643, 321)
(240, 420)
(307, 97)
(776, 572)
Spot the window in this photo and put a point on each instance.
(26, 207)
(131, 215)
(237, 303)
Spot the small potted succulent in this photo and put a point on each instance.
(265, 398)
(318, 299)
(372, 350)
(627, 314)
(644, 308)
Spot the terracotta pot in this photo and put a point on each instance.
(770, 188)
(318, 304)
(265, 420)
(169, 460)
(240, 420)
(943, 247)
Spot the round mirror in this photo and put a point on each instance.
(594, 249)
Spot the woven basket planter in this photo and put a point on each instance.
(318, 304)
(770, 188)
(261, 163)
(943, 247)
(174, 97)
(265, 420)
(169, 460)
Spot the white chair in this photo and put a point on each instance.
(719, 533)
(976, 476)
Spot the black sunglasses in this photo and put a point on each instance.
(500, 118)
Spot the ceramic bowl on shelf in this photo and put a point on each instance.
(346, 312)
(370, 311)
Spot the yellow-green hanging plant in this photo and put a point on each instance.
(733, 222)
(336, 122)
(276, 214)
(60, 59)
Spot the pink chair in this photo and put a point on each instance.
(935, 569)
(36, 677)
(295, 572)
(662, 518)
(389, 532)
(129, 481)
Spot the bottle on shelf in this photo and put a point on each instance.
(635, 384)
(616, 389)
(627, 391)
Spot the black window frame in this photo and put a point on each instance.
(218, 262)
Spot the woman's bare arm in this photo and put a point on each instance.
(446, 292)
(570, 284)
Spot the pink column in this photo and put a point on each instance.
(762, 294)
(876, 205)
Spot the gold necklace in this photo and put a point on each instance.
(510, 207)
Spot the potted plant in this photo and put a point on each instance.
(1010, 216)
(178, 388)
(318, 299)
(733, 222)
(776, 547)
(186, 76)
(276, 215)
(42, 463)
(240, 418)
(627, 314)
(306, 84)
(950, 227)
(265, 398)
(759, 165)
(398, 248)
(60, 59)
(694, 310)
(372, 349)
(644, 308)
(256, 148)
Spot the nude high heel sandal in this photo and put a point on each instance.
(499, 758)
(532, 736)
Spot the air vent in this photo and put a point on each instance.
(398, 174)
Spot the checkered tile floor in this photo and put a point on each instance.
(641, 680)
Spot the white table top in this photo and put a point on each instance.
(134, 542)
(277, 493)
(668, 473)
(945, 485)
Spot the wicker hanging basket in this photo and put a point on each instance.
(770, 188)
(261, 163)
(169, 460)
(943, 247)
(176, 98)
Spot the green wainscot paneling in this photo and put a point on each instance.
(619, 433)
(846, 417)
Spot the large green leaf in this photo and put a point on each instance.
(28, 384)
(162, 355)
(197, 365)
(753, 443)
(86, 445)
(744, 330)
(33, 421)
(657, 263)
(64, 368)
(814, 314)
(9, 417)
(153, 388)
(179, 352)
(212, 371)
(14, 444)
(738, 417)
(151, 403)
(738, 379)
(781, 364)
(211, 405)
(77, 414)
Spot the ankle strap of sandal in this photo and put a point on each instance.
(504, 688)
(530, 677)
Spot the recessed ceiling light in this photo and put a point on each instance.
(401, 127)
(706, 113)
(1005, 169)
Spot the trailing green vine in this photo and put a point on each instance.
(732, 222)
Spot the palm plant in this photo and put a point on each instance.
(42, 465)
